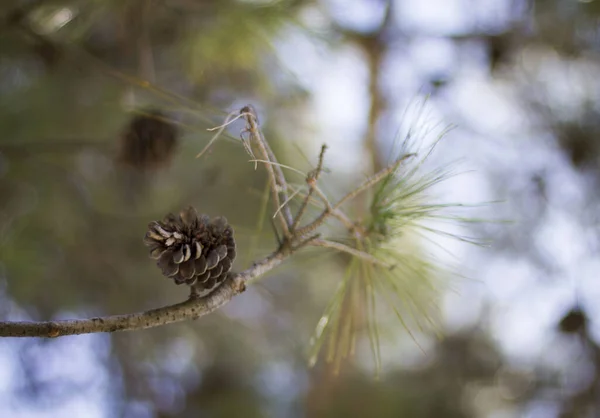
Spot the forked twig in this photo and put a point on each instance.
(276, 177)
(293, 195)
(372, 181)
(336, 213)
(335, 210)
(277, 164)
(311, 180)
(294, 239)
(307, 241)
(228, 121)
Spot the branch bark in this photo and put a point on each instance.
(190, 309)
(276, 177)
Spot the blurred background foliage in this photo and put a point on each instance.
(519, 77)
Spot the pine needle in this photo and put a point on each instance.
(403, 215)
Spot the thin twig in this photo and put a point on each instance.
(337, 213)
(327, 212)
(228, 120)
(277, 164)
(335, 210)
(298, 189)
(276, 232)
(190, 309)
(312, 226)
(306, 241)
(371, 181)
(311, 180)
(293, 195)
(353, 251)
(278, 182)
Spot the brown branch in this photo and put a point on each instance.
(311, 180)
(276, 177)
(312, 226)
(193, 308)
(306, 241)
(336, 211)
(322, 218)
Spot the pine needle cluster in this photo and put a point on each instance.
(403, 220)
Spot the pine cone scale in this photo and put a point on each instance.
(231, 253)
(201, 265)
(156, 252)
(198, 249)
(212, 260)
(226, 264)
(189, 217)
(204, 277)
(187, 270)
(216, 272)
(167, 265)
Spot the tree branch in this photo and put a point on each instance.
(192, 308)
(335, 210)
(278, 182)
(196, 306)
(311, 180)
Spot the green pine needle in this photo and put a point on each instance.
(403, 215)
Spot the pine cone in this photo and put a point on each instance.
(574, 321)
(149, 141)
(192, 249)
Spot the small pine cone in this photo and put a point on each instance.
(192, 249)
(574, 321)
(149, 141)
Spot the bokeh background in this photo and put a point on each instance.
(520, 79)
